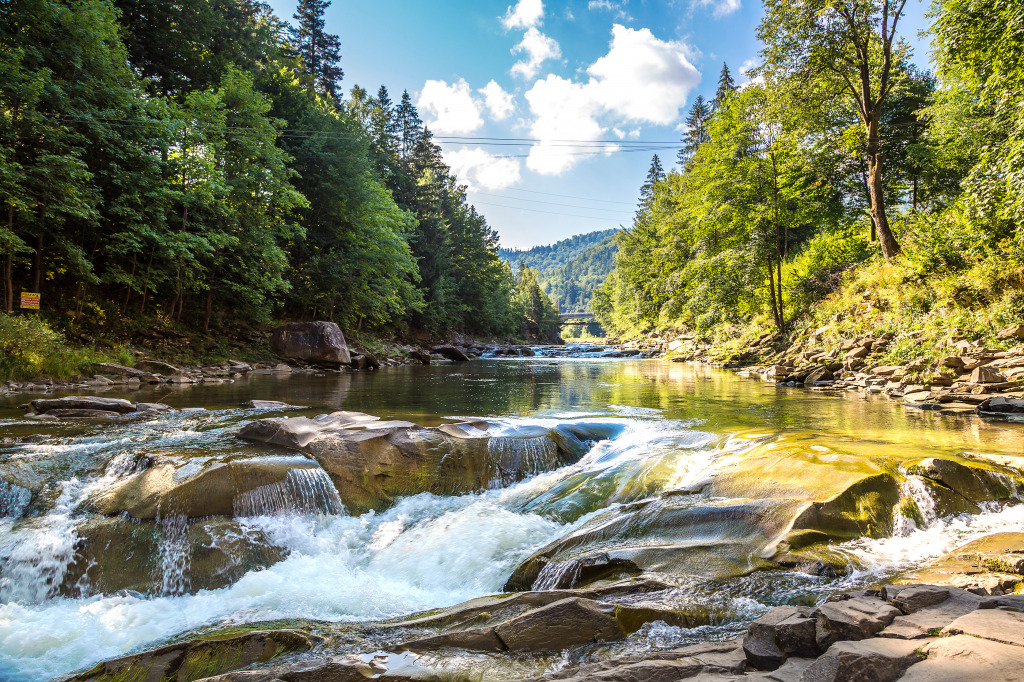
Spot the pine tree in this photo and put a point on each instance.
(696, 129)
(655, 174)
(725, 86)
(409, 126)
(321, 51)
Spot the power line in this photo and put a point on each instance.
(552, 203)
(567, 196)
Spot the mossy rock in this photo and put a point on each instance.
(974, 480)
(200, 658)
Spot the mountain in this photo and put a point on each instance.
(569, 270)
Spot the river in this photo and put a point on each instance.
(672, 424)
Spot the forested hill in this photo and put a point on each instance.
(198, 164)
(569, 270)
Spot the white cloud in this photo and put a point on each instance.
(537, 48)
(480, 169)
(450, 108)
(719, 8)
(619, 8)
(499, 103)
(525, 14)
(641, 80)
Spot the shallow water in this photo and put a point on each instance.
(671, 424)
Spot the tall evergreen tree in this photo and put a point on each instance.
(321, 51)
(409, 126)
(655, 174)
(726, 85)
(696, 129)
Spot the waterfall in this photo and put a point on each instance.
(175, 555)
(514, 459)
(126, 464)
(915, 497)
(34, 557)
(555, 573)
(301, 490)
(13, 499)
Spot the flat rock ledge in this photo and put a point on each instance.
(916, 633)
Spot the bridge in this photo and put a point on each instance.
(578, 319)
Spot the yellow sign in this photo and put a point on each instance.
(29, 300)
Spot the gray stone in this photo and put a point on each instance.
(316, 342)
(993, 624)
(853, 619)
(452, 353)
(73, 413)
(871, 660)
(963, 658)
(564, 624)
(157, 367)
(928, 608)
(784, 631)
(83, 402)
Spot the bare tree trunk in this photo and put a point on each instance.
(209, 307)
(8, 266)
(890, 247)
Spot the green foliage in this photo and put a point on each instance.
(29, 347)
(194, 161)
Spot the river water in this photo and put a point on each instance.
(671, 423)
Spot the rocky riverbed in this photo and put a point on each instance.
(275, 539)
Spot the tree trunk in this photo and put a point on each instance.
(209, 307)
(37, 264)
(771, 294)
(8, 266)
(890, 247)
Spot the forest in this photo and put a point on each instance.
(569, 270)
(841, 181)
(196, 164)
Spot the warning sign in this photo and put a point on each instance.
(29, 300)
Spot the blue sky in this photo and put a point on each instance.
(576, 76)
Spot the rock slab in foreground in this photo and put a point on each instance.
(321, 343)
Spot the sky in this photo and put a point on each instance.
(551, 111)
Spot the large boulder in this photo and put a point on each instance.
(175, 557)
(321, 343)
(372, 462)
(991, 565)
(224, 486)
(974, 480)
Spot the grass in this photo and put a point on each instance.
(31, 348)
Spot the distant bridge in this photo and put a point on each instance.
(578, 319)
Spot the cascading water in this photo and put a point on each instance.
(917, 497)
(515, 458)
(13, 499)
(175, 557)
(301, 490)
(556, 574)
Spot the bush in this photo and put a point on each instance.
(29, 347)
(819, 267)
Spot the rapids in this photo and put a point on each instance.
(667, 427)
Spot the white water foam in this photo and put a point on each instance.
(339, 568)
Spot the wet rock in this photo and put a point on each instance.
(963, 658)
(817, 374)
(671, 535)
(202, 657)
(272, 405)
(115, 554)
(782, 632)
(321, 343)
(59, 413)
(996, 625)
(420, 356)
(372, 462)
(83, 402)
(200, 486)
(564, 624)
(702, 662)
(452, 353)
(872, 660)
(150, 408)
(1000, 406)
(976, 482)
(852, 619)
